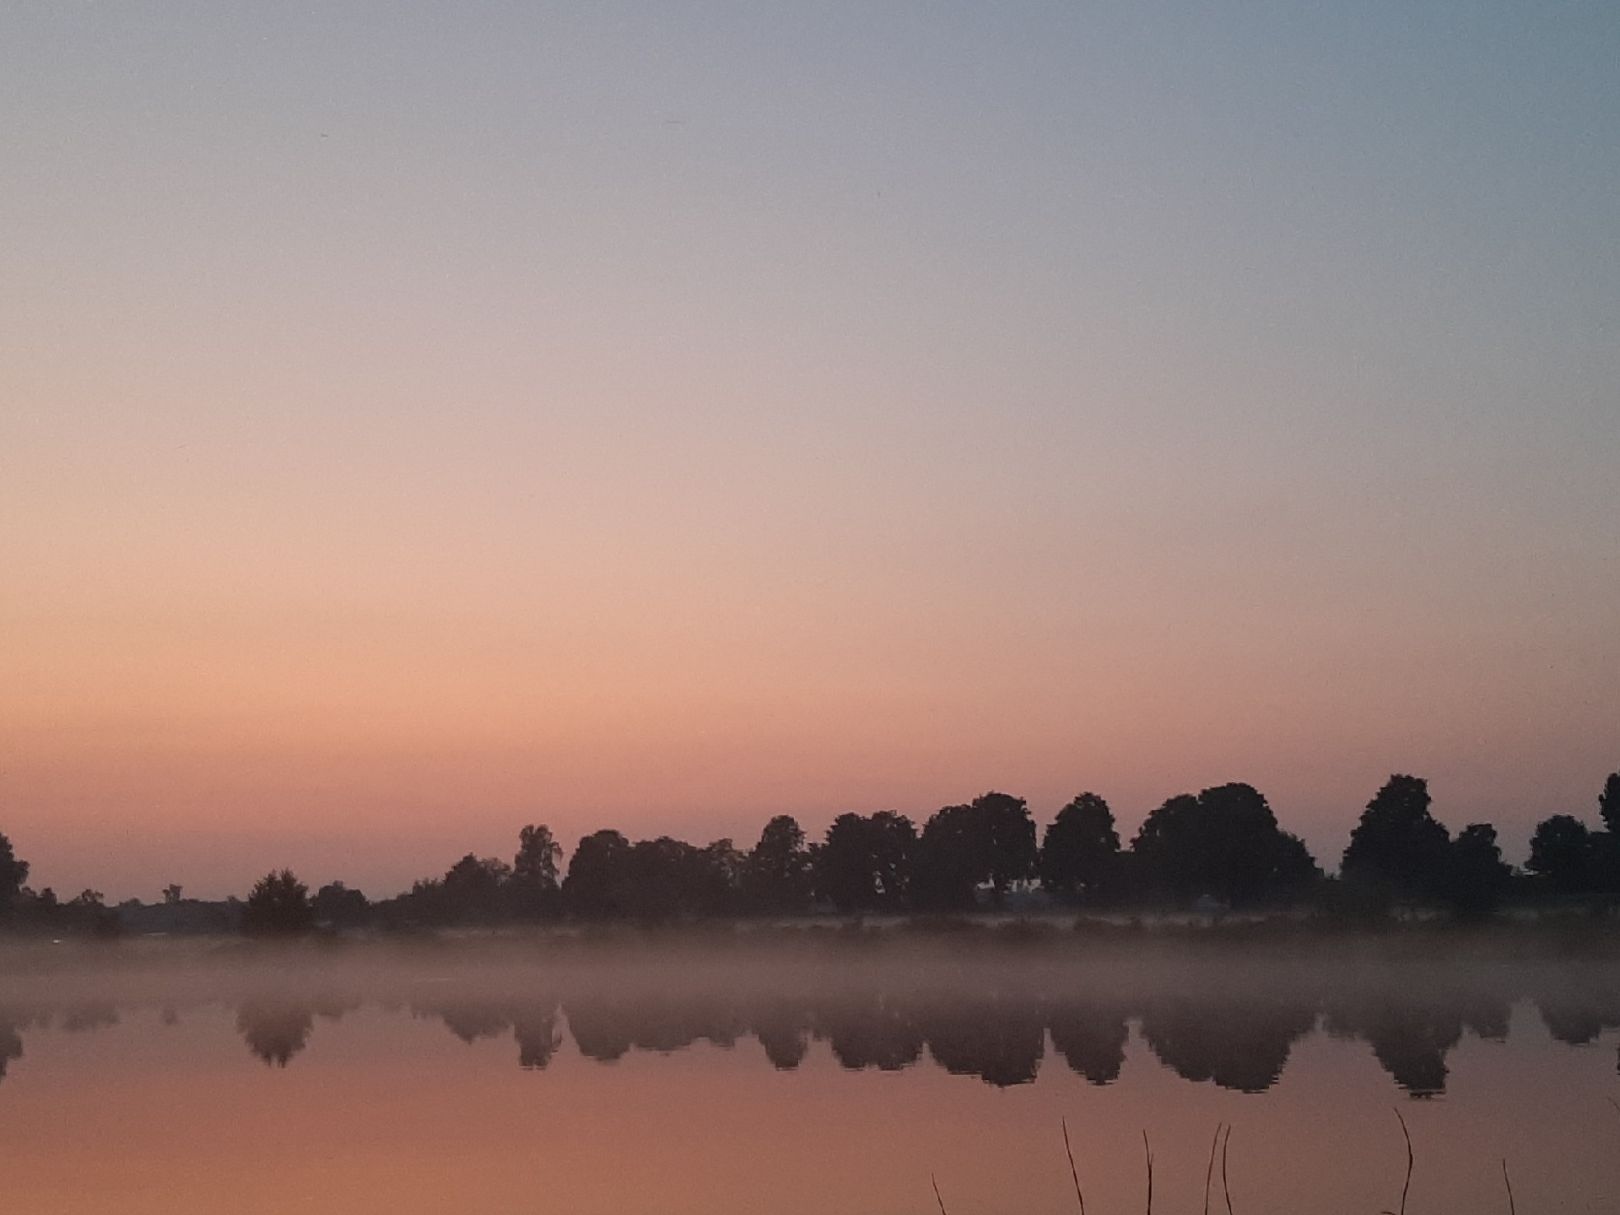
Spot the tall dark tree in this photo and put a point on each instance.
(776, 877)
(1226, 843)
(1477, 876)
(656, 878)
(13, 873)
(666, 879)
(1561, 852)
(1398, 845)
(1164, 852)
(990, 841)
(950, 860)
(1609, 804)
(894, 839)
(1009, 837)
(1606, 843)
(844, 873)
(278, 905)
(340, 906)
(865, 863)
(534, 886)
(473, 890)
(595, 874)
(1080, 851)
(717, 879)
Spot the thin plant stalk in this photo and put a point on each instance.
(1508, 1182)
(937, 1198)
(1073, 1172)
(1148, 1149)
(1209, 1169)
(1226, 1186)
(1407, 1184)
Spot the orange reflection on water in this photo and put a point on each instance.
(386, 1112)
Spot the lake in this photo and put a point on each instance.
(847, 1079)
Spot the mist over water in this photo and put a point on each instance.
(670, 1074)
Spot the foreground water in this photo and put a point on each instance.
(833, 1083)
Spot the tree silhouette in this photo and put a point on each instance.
(1609, 804)
(893, 841)
(473, 890)
(1476, 875)
(1224, 842)
(1080, 851)
(991, 840)
(1167, 845)
(776, 875)
(535, 890)
(1561, 851)
(1009, 841)
(88, 912)
(594, 874)
(13, 873)
(717, 879)
(845, 872)
(865, 863)
(950, 859)
(1398, 846)
(278, 905)
(659, 879)
(339, 906)
(1606, 843)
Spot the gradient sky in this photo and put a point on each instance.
(420, 420)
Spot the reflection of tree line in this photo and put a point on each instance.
(277, 1029)
(1234, 1041)
(74, 1019)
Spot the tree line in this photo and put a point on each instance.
(1222, 847)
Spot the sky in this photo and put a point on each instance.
(421, 420)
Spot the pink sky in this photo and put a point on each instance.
(410, 433)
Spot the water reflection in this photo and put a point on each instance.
(1233, 1041)
(1577, 1018)
(11, 1046)
(1090, 1036)
(1236, 1043)
(275, 1032)
(1239, 1044)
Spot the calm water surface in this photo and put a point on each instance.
(737, 1086)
